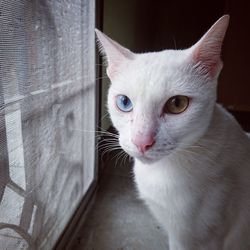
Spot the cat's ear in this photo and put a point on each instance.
(206, 52)
(115, 53)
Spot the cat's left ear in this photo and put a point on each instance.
(114, 52)
(206, 52)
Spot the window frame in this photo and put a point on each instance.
(66, 240)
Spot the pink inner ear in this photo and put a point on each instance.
(208, 62)
(115, 53)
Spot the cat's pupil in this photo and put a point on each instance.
(125, 100)
(177, 102)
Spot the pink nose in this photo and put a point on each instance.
(143, 143)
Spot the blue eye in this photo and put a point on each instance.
(123, 103)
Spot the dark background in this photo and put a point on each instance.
(146, 25)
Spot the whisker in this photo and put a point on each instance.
(100, 78)
(118, 157)
(125, 157)
(104, 116)
(111, 147)
(108, 143)
(98, 132)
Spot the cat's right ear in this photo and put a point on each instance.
(206, 52)
(115, 53)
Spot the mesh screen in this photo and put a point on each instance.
(47, 108)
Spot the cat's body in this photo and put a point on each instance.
(202, 194)
(192, 159)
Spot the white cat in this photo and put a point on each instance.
(192, 159)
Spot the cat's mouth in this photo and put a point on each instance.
(150, 157)
(138, 155)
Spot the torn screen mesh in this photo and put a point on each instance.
(47, 106)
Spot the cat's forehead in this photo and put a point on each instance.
(158, 66)
(153, 73)
(164, 58)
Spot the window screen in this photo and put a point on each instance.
(47, 113)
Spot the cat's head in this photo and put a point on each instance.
(163, 101)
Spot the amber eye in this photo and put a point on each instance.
(176, 104)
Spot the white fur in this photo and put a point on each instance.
(196, 177)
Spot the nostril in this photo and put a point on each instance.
(148, 146)
(143, 147)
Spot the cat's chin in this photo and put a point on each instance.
(143, 158)
(150, 160)
(146, 160)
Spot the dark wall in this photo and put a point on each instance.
(173, 24)
(179, 24)
(234, 88)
